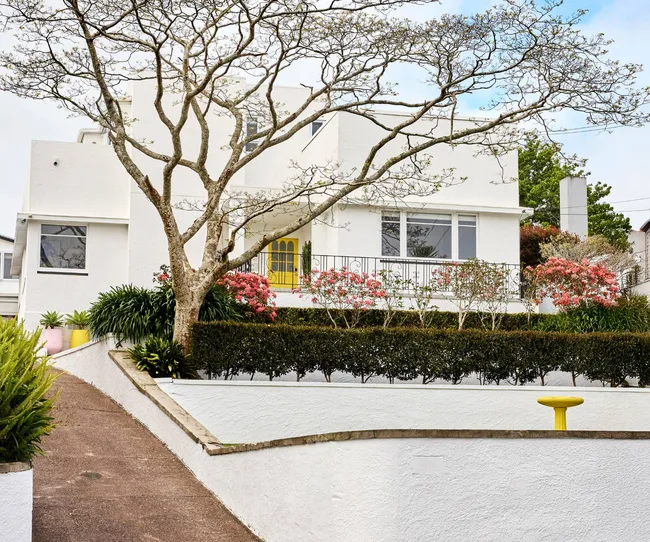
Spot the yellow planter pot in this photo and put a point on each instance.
(78, 337)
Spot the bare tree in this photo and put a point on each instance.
(522, 58)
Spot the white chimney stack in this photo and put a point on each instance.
(573, 206)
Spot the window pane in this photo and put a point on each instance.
(6, 270)
(390, 236)
(466, 220)
(63, 252)
(315, 126)
(428, 241)
(430, 219)
(55, 229)
(466, 242)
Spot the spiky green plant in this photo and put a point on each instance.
(132, 313)
(78, 319)
(161, 358)
(51, 319)
(25, 379)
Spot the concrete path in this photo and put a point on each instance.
(108, 479)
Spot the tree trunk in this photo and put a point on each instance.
(187, 312)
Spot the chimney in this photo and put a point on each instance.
(573, 205)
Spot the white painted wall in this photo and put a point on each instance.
(410, 490)
(258, 411)
(16, 503)
(488, 181)
(88, 181)
(106, 265)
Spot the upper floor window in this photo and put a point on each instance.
(251, 130)
(316, 125)
(428, 235)
(5, 266)
(466, 237)
(390, 234)
(63, 246)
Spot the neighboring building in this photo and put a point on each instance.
(639, 279)
(85, 226)
(8, 281)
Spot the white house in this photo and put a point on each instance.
(8, 281)
(85, 226)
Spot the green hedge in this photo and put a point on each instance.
(225, 349)
(375, 318)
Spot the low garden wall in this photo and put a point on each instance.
(257, 411)
(398, 486)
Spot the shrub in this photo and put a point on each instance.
(531, 237)
(132, 313)
(226, 349)
(629, 315)
(570, 284)
(78, 319)
(25, 379)
(252, 291)
(51, 319)
(161, 358)
(375, 318)
(343, 293)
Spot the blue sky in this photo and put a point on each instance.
(620, 159)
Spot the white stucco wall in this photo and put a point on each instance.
(87, 181)
(16, 496)
(488, 181)
(258, 411)
(106, 266)
(406, 490)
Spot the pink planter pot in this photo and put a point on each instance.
(53, 340)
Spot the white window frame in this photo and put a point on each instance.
(62, 270)
(454, 234)
(2, 267)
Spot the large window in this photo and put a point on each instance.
(5, 266)
(428, 235)
(63, 247)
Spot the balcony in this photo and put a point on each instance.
(285, 270)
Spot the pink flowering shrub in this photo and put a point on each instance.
(350, 292)
(163, 276)
(251, 289)
(570, 284)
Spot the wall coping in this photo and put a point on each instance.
(431, 434)
(564, 390)
(147, 385)
(212, 446)
(19, 466)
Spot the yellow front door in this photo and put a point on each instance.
(283, 263)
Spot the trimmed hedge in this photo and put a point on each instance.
(225, 349)
(375, 318)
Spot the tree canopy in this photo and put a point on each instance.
(522, 59)
(542, 165)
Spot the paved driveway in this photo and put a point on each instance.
(107, 478)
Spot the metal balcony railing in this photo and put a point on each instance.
(286, 270)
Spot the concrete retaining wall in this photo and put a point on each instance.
(462, 487)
